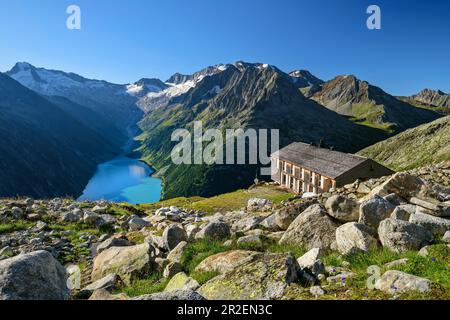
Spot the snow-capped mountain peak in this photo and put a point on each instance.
(304, 78)
(146, 86)
(177, 85)
(50, 82)
(102, 97)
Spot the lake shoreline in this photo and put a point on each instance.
(125, 178)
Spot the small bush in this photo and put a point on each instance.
(203, 277)
(362, 260)
(198, 251)
(10, 227)
(153, 284)
(434, 267)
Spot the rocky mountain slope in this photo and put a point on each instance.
(242, 95)
(176, 85)
(386, 238)
(426, 144)
(433, 97)
(45, 151)
(435, 100)
(368, 104)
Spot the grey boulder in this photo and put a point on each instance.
(393, 282)
(312, 229)
(402, 236)
(214, 230)
(375, 210)
(173, 235)
(342, 208)
(437, 226)
(112, 242)
(33, 276)
(353, 237)
(136, 224)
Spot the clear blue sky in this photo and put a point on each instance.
(124, 40)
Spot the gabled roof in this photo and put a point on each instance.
(326, 162)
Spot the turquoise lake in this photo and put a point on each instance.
(123, 179)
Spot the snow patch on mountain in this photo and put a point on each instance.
(141, 87)
(181, 84)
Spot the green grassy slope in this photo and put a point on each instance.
(426, 144)
(225, 202)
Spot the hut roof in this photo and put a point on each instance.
(326, 162)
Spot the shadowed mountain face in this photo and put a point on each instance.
(368, 104)
(91, 119)
(45, 151)
(244, 96)
(424, 145)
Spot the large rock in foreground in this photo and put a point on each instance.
(393, 282)
(437, 226)
(375, 210)
(267, 277)
(312, 229)
(342, 208)
(402, 184)
(181, 281)
(126, 262)
(33, 276)
(226, 261)
(214, 230)
(353, 237)
(183, 295)
(402, 236)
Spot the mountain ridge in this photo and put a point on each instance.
(435, 100)
(365, 103)
(107, 99)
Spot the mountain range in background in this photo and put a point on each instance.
(368, 105)
(344, 113)
(434, 100)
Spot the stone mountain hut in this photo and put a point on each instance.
(301, 168)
